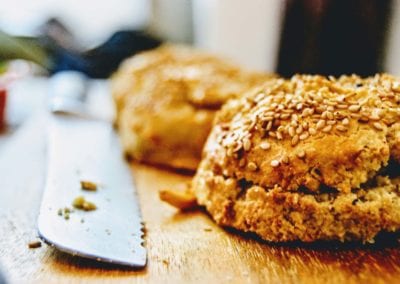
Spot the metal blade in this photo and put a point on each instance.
(81, 149)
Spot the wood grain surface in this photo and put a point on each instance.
(182, 247)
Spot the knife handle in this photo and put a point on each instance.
(68, 93)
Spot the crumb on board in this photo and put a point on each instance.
(182, 200)
(82, 204)
(207, 229)
(34, 244)
(88, 185)
(166, 262)
(65, 212)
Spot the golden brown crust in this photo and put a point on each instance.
(166, 100)
(288, 160)
(308, 131)
(279, 216)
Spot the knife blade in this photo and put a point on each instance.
(86, 149)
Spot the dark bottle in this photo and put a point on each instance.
(333, 37)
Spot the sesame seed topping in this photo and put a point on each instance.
(304, 136)
(291, 131)
(354, 108)
(269, 126)
(285, 159)
(312, 131)
(306, 105)
(329, 115)
(275, 163)
(295, 140)
(301, 154)
(299, 129)
(252, 166)
(265, 145)
(320, 124)
(246, 144)
(327, 128)
(341, 128)
(378, 125)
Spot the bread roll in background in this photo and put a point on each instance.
(166, 100)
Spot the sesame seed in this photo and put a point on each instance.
(252, 166)
(304, 136)
(341, 128)
(378, 125)
(279, 136)
(274, 163)
(330, 108)
(327, 128)
(342, 106)
(246, 144)
(331, 122)
(242, 162)
(285, 159)
(299, 129)
(301, 154)
(374, 118)
(355, 115)
(272, 134)
(320, 124)
(312, 131)
(295, 140)
(340, 98)
(265, 145)
(299, 106)
(285, 116)
(329, 115)
(269, 126)
(354, 108)
(291, 131)
(281, 129)
(345, 121)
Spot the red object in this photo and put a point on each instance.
(3, 95)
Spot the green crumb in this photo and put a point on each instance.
(88, 185)
(82, 204)
(65, 212)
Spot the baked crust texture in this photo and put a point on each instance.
(306, 158)
(166, 100)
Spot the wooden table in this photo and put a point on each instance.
(182, 247)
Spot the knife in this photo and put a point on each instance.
(82, 148)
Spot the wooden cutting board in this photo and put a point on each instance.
(182, 247)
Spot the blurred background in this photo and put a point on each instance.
(332, 37)
(285, 36)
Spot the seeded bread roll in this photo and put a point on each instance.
(306, 159)
(166, 100)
